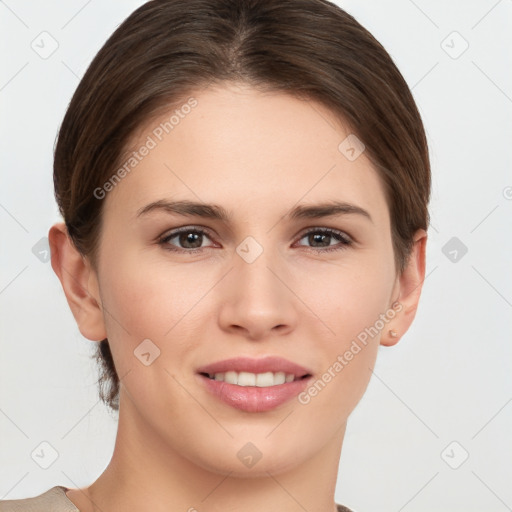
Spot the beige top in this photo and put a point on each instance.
(55, 500)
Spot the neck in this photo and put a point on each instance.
(145, 473)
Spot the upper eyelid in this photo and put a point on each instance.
(185, 229)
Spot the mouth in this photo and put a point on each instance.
(254, 385)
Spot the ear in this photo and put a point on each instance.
(408, 290)
(79, 282)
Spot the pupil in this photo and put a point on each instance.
(320, 237)
(186, 238)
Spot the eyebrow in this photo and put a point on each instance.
(216, 212)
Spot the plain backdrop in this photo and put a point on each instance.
(433, 431)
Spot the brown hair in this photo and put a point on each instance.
(166, 49)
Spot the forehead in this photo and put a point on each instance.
(240, 146)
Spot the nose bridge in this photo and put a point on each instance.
(256, 266)
(258, 299)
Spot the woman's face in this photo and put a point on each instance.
(264, 282)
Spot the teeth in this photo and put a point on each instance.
(247, 379)
(261, 380)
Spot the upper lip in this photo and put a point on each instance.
(251, 365)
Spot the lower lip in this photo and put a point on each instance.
(253, 398)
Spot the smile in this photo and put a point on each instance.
(254, 385)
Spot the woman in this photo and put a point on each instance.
(244, 186)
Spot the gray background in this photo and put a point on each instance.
(442, 394)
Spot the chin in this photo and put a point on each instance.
(243, 458)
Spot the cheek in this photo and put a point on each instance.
(350, 297)
(354, 304)
(144, 299)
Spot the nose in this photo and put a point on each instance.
(256, 300)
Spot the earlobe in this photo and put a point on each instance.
(75, 274)
(410, 284)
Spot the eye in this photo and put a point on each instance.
(190, 240)
(324, 237)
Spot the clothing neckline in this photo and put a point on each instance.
(63, 490)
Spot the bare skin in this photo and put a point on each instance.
(258, 156)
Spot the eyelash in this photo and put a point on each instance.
(345, 240)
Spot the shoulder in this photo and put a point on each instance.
(53, 500)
